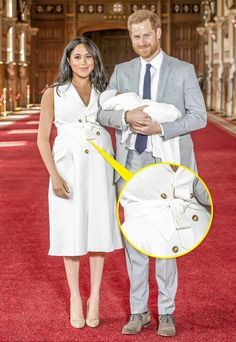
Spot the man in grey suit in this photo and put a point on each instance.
(162, 78)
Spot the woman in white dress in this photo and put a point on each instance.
(82, 196)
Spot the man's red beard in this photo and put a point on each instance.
(146, 51)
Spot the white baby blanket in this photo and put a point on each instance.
(167, 151)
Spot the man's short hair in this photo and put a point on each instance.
(143, 15)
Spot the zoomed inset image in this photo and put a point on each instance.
(167, 210)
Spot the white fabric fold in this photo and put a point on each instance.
(173, 210)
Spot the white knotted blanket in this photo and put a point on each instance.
(160, 112)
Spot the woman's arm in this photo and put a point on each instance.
(60, 187)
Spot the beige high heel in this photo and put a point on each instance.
(75, 321)
(91, 322)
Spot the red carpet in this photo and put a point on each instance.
(34, 293)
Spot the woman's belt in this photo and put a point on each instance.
(91, 129)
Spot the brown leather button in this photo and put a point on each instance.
(86, 151)
(195, 218)
(98, 133)
(175, 249)
(164, 196)
(80, 120)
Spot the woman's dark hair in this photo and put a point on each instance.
(97, 76)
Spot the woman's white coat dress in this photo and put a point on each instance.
(85, 222)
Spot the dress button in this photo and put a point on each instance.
(195, 218)
(86, 151)
(175, 249)
(80, 120)
(126, 148)
(98, 133)
(164, 196)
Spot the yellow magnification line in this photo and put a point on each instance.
(123, 172)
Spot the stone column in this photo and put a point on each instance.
(231, 91)
(202, 32)
(11, 67)
(219, 22)
(1, 49)
(32, 73)
(209, 64)
(22, 64)
(11, 8)
(24, 81)
(11, 44)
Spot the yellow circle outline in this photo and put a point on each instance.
(156, 256)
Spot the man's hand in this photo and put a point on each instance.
(135, 116)
(146, 127)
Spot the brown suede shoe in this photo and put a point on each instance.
(136, 323)
(166, 325)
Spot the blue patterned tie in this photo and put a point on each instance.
(141, 140)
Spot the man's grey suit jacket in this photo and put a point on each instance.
(178, 85)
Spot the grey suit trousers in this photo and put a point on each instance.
(138, 263)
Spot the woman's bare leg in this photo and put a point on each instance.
(76, 307)
(96, 271)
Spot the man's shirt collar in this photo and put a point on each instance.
(155, 62)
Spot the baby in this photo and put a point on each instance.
(167, 151)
